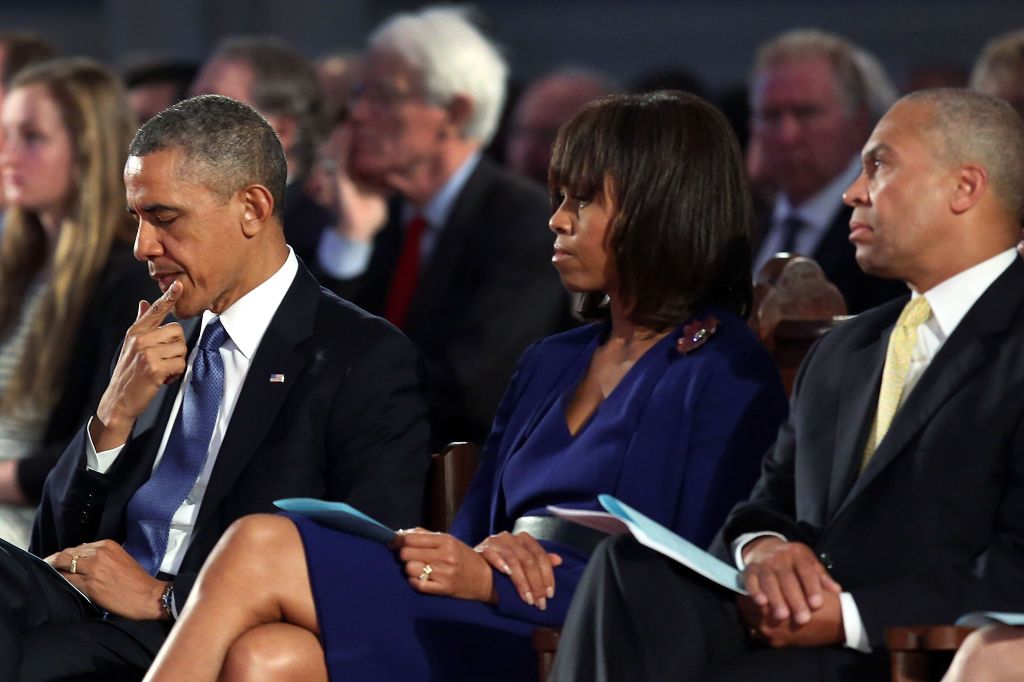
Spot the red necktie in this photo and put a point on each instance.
(403, 283)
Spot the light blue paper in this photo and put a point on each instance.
(652, 534)
(977, 619)
(338, 515)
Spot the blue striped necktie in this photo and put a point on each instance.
(150, 510)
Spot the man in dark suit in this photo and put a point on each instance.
(289, 391)
(281, 84)
(814, 97)
(894, 495)
(462, 262)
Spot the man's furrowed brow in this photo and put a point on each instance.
(157, 208)
(873, 151)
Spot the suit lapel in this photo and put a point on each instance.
(449, 250)
(260, 400)
(862, 376)
(963, 352)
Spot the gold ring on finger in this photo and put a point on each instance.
(425, 573)
(74, 564)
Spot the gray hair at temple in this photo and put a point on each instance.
(284, 83)
(227, 145)
(453, 58)
(861, 81)
(999, 70)
(982, 129)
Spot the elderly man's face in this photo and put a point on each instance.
(395, 131)
(807, 135)
(900, 198)
(187, 232)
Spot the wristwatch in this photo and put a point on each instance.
(167, 600)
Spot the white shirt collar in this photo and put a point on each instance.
(247, 319)
(818, 211)
(951, 299)
(440, 206)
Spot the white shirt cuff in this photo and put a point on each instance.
(856, 635)
(100, 462)
(341, 257)
(743, 540)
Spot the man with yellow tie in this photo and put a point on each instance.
(894, 495)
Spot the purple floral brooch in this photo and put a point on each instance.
(696, 334)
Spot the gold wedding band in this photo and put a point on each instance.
(425, 573)
(74, 564)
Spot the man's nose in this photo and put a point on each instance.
(146, 243)
(856, 194)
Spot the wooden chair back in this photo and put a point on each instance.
(794, 305)
(448, 479)
(921, 653)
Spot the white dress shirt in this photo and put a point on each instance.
(245, 321)
(344, 258)
(817, 214)
(949, 300)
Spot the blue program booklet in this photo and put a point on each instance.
(621, 518)
(978, 619)
(338, 515)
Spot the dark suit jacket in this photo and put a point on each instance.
(486, 293)
(304, 221)
(836, 256)
(111, 311)
(346, 424)
(934, 526)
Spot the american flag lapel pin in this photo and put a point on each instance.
(277, 378)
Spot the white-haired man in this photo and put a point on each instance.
(814, 98)
(462, 262)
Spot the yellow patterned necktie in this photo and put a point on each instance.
(894, 374)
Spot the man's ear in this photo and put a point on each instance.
(257, 209)
(459, 110)
(971, 185)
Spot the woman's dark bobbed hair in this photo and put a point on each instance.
(680, 236)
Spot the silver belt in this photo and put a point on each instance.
(558, 530)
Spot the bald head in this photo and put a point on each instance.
(971, 127)
(544, 106)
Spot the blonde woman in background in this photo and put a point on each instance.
(69, 285)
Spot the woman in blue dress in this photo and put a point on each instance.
(666, 401)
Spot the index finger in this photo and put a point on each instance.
(153, 317)
(543, 561)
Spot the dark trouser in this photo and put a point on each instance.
(49, 632)
(638, 615)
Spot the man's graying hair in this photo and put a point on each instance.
(227, 145)
(978, 128)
